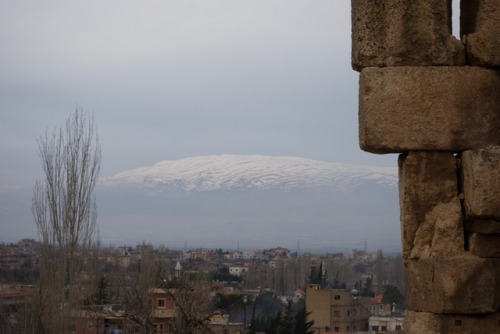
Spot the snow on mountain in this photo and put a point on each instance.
(261, 201)
(229, 172)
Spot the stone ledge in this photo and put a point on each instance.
(487, 226)
(428, 108)
(403, 33)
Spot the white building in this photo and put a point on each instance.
(238, 270)
(385, 324)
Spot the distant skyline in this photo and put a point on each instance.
(167, 80)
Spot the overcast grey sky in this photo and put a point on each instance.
(172, 79)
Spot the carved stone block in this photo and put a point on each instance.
(403, 33)
(480, 23)
(426, 180)
(481, 182)
(441, 234)
(466, 285)
(428, 108)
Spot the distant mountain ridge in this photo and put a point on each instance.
(253, 200)
(252, 172)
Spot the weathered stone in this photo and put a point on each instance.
(481, 182)
(426, 180)
(484, 245)
(441, 234)
(480, 23)
(431, 323)
(422, 322)
(483, 226)
(465, 284)
(428, 108)
(403, 33)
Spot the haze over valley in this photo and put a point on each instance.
(228, 201)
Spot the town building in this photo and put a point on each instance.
(238, 269)
(337, 310)
(163, 307)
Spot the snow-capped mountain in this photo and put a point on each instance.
(255, 172)
(252, 200)
(257, 200)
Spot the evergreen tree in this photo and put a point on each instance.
(379, 265)
(318, 276)
(336, 284)
(393, 295)
(102, 291)
(302, 323)
(367, 290)
(287, 322)
(252, 329)
(274, 324)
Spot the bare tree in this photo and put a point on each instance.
(379, 267)
(65, 214)
(134, 289)
(193, 305)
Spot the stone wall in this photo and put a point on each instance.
(435, 100)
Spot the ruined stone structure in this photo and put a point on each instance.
(435, 100)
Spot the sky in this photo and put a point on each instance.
(166, 80)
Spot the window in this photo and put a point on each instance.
(375, 328)
(398, 327)
(458, 322)
(384, 328)
(336, 329)
(336, 314)
(161, 302)
(347, 329)
(348, 313)
(336, 297)
(354, 327)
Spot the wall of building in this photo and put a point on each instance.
(337, 310)
(435, 100)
